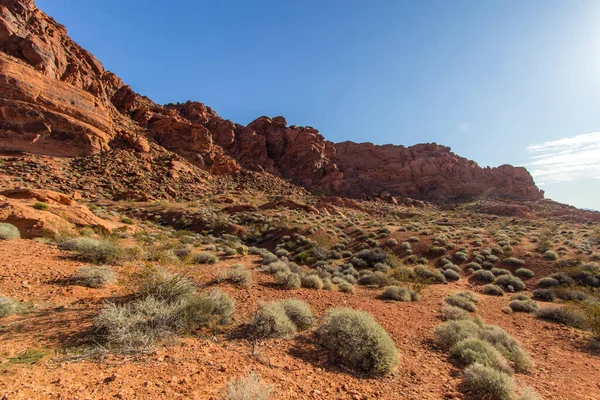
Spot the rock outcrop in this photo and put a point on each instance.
(56, 99)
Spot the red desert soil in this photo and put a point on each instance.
(198, 367)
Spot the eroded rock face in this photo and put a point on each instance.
(427, 171)
(56, 99)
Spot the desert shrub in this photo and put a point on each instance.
(271, 321)
(434, 251)
(507, 345)
(519, 296)
(460, 256)
(591, 317)
(487, 383)
(524, 273)
(451, 313)
(562, 278)
(382, 267)
(399, 293)
(354, 339)
(248, 387)
(98, 251)
(544, 295)
(41, 206)
(157, 282)
(299, 313)
(461, 302)
(500, 271)
(9, 306)
(547, 282)
(328, 284)
(550, 255)
(204, 258)
(514, 261)
(528, 306)
(562, 315)
(312, 282)
(451, 332)
(289, 280)
(510, 283)
(528, 394)
(93, 277)
(474, 350)
(484, 276)
(377, 278)
(9, 231)
(371, 257)
(493, 290)
(141, 323)
(346, 287)
(468, 295)
(427, 275)
(474, 266)
(239, 275)
(570, 294)
(451, 275)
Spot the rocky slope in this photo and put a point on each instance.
(57, 100)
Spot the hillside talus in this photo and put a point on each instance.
(56, 99)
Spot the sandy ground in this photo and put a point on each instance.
(198, 367)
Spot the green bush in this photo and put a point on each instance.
(41, 206)
(93, 277)
(204, 258)
(248, 387)
(461, 302)
(485, 383)
(399, 293)
(474, 350)
(354, 339)
(98, 251)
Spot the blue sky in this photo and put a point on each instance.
(508, 81)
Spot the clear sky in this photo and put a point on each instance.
(503, 81)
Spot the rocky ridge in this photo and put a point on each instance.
(58, 100)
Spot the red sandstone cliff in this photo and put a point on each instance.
(56, 99)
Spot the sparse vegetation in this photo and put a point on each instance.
(93, 277)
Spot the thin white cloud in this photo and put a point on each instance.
(566, 159)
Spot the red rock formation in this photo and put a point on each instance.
(56, 99)
(426, 171)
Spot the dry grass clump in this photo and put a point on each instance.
(354, 339)
(239, 275)
(399, 293)
(493, 290)
(9, 231)
(279, 319)
(474, 350)
(563, 315)
(97, 251)
(484, 276)
(527, 306)
(204, 258)
(288, 280)
(9, 306)
(312, 281)
(248, 387)
(460, 301)
(454, 313)
(93, 277)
